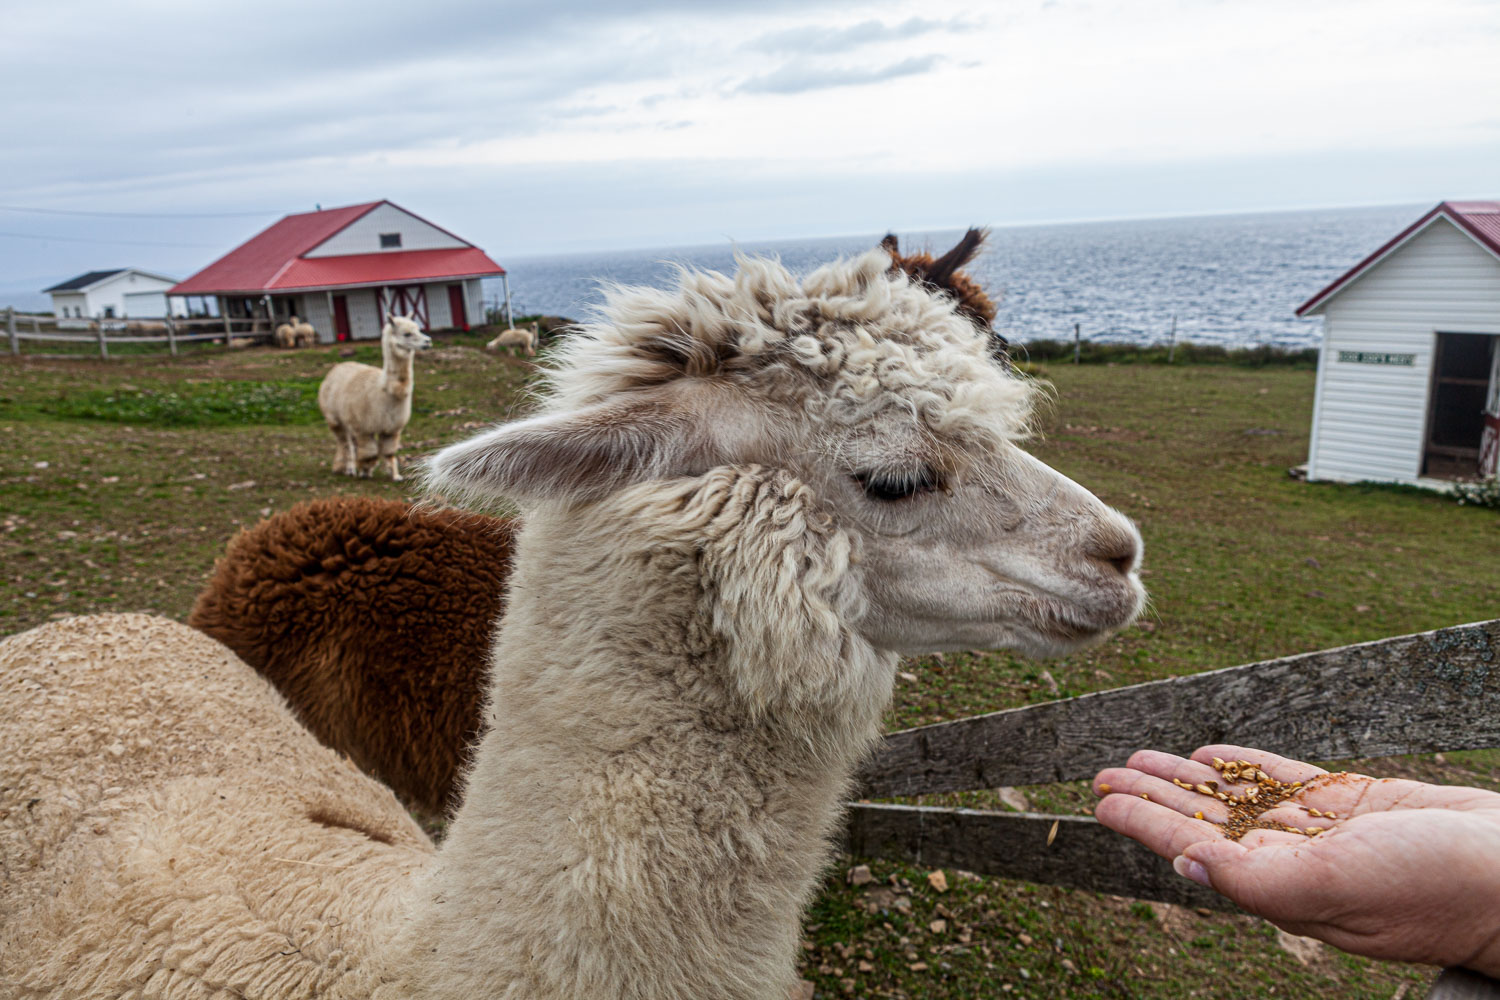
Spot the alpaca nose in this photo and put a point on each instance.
(1116, 543)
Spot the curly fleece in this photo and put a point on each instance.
(373, 618)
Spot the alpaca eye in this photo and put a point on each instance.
(889, 487)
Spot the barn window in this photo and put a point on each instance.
(389, 240)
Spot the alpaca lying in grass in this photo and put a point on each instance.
(373, 618)
(742, 500)
(367, 408)
(522, 337)
(373, 692)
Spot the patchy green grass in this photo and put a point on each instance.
(124, 505)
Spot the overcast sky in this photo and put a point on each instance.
(569, 125)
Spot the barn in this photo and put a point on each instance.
(343, 269)
(1408, 387)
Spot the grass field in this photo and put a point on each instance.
(121, 481)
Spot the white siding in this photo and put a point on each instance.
(1370, 420)
(65, 304)
(363, 235)
(112, 291)
(474, 290)
(364, 322)
(316, 304)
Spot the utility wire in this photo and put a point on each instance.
(122, 243)
(140, 215)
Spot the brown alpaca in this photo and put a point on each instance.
(374, 620)
(943, 273)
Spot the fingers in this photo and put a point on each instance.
(1159, 827)
(1138, 783)
(1283, 769)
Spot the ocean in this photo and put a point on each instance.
(1233, 280)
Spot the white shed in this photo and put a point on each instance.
(118, 293)
(1407, 378)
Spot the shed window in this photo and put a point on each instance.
(389, 240)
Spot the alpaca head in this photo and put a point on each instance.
(403, 335)
(871, 390)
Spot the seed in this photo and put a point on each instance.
(1221, 796)
(1252, 793)
(1314, 812)
(1180, 783)
(1313, 831)
(1145, 796)
(1104, 787)
(1197, 815)
(1212, 784)
(1330, 815)
(1219, 763)
(1203, 790)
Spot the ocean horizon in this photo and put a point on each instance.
(1234, 279)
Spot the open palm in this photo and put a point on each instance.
(1396, 869)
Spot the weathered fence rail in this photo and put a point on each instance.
(171, 331)
(1423, 693)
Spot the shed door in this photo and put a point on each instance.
(1461, 372)
(459, 314)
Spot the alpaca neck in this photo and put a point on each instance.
(626, 829)
(396, 370)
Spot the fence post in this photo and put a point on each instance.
(103, 348)
(1075, 343)
(171, 335)
(1172, 341)
(10, 327)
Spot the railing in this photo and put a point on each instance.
(1423, 693)
(102, 332)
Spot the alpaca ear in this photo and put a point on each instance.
(583, 454)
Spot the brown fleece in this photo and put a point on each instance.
(943, 274)
(374, 621)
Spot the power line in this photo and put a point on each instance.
(139, 215)
(123, 243)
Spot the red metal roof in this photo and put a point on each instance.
(1480, 219)
(273, 260)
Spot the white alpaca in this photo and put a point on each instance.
(285, 335)
(366, 407)
(303, 334)
(741, 501)
(522, 337)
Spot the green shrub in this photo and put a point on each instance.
(1485, 493)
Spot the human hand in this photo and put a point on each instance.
(1399, 870)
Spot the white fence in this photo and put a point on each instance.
(101, 333)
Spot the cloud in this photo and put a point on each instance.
(827, 40)
(797, 79)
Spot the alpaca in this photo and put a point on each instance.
(522, 337)
(742, 500)
(367, 408)
(373, 619)
(286, 334)
(366, 695)
(303, 334)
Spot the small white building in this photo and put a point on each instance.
(119, 293)
(344, 269)
(1409, 375)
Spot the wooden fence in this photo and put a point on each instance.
(1423, 693)
(101, 333)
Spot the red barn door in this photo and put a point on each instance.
(340, 318)
(456, 307)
